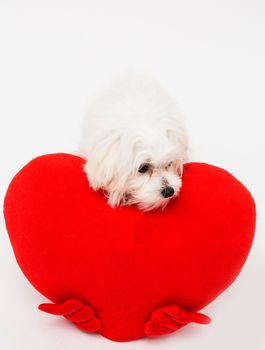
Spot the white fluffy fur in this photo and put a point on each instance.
(132, 122)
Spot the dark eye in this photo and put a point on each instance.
(144, 168)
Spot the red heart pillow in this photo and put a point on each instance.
(121, 272)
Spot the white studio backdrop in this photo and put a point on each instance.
(210, 54)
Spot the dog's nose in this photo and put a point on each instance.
(167, 192)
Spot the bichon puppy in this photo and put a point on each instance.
(135, 143)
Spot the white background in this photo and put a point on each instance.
(210, 54)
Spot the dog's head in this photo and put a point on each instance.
(141, 166)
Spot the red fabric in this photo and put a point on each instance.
(171, 318)
(122, 272)
(81, 315)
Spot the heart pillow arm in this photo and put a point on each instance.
(81, 315)
(168, 319)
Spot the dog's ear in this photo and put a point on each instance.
(102, 165)
(107, 167)
(177, 135)
(178, 167)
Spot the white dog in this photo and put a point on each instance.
(135, 143)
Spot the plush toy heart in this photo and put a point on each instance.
(121, 272)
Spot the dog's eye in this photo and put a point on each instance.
(144, 168)
(169, 164)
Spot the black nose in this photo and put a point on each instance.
(167, 192)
